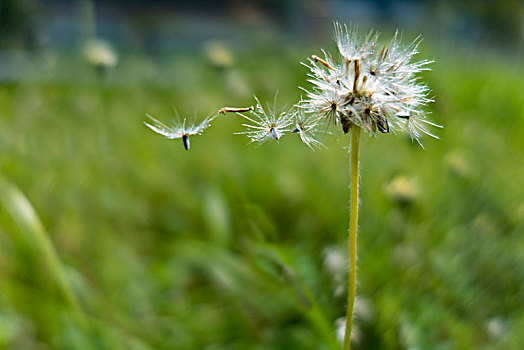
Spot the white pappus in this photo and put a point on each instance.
(178, 130)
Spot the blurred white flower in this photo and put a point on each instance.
(459, 163)
(402, 189)
(496, 328)
(335, 263)
(218, 54)
(178, 130)
(363, 309)
(100, 53)
(340, 331)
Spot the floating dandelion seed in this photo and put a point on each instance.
(266, 125)
(178, 130)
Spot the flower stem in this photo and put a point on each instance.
(353, 217)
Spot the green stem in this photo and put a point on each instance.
(87, 8)
(353, 217)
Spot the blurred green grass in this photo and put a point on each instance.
(229, 246)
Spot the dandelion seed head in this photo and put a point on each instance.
(367, 86)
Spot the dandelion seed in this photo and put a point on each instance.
(178, 130)
(274, 132)
(185, 141)
(265, 125)
(416, 127)
(305, 127)
(328, 103)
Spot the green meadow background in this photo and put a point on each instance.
(112, 237)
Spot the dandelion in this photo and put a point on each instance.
(364, 87)
(266, 125)
(370, 89)
(178, 130)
